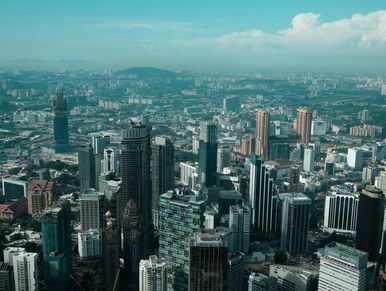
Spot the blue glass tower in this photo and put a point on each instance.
(61, 136)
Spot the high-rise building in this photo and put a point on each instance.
(57, 250)
(90, 244)
(92, 209)
(370, 221)
(260, 282)
(98, 142)
(40, 195)
(240, 224)
(342, 268)
(152, 274)
(110, 247)
(383, 89)
(235, 276)
(355, 158)
(303, 124)
(294, 222)
(369, 173)
(279, 151)
(207, 156)
(208, 261)
(109, 162)
(10, 252)
(293, 180)
(135, 171)
(309, 160)
(181, 214)
(293, 278)
(86, 164)
(262, 197)
(26, 271)
(61, 136)
(132, 240)
(223, 159)
(231, 103)
(341, 212)
(262, 133)
(363, 115)
(6, 277)
(162, 172)
(189, 175)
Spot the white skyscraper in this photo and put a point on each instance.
(90, 244)
(25, 266)
(92, 208)
(342, 268)
(240, 223)
(152, 274)
(10, 252)
(355, 158)
(309, 160)
(109, 161)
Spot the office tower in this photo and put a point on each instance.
(180, 215)
(162, 172)
(341, 212)
(110, 245)
(262, 133)
(90, 244)
(188, 175)
(135, 171)
(92, 209)
(223, 159)
(293, 278)
(152, 274)
(235, 276)
(240, 224)
(61, 136)
(57, 250)
(342, 268)
(355, 158)
(6, 277)
(260, 282)
(208, 261)
(109, 162)
(40, 195)
(293, 180)
(303, 124)
(309, 160)
(261, 197)
(329, 167)
(279, 151)
(369, 173)
(378, 151)
(10, 252)
(86, 164)
(99, 142)
(26, 271)
(370, 221)
(319, 127)
(14, 188)
(132, 240)
(294, 223)
(207, 156)
(380, 181)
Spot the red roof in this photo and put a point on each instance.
(41, 185)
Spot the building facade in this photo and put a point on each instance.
(303, 124)
(152, 274)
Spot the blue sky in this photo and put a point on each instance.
(195, 34)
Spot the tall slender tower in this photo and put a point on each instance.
(57, 250)
(135, 170)
(303, 124)
(207, 155)
(61, 136)
(86, 165)
(152, 274)
(162, 172)
(262, 133)
(132, 240)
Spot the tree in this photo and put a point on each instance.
(280, 257)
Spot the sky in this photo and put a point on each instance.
(313, 35)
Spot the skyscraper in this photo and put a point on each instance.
(61, 136)
(262, 133)
(90, 244)
(355, 158)
(99, 142)
(180, 215)
(6, 277)
(132, 240)
(152, 274)
(92, 209)
(208, 261)
(135, 171)
(294, 222)
(86, 164)
(342, 268)
(240, 224)
(293, 180)
(370, 221)
(260, 282)
(303, 124)
(207, 156)
(162, 172)
(109, 162)
(309, 160)
(110, 244)
(40, 195)
(26, 271)
(57, 250)
(262, 197)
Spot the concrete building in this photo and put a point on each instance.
(309, 160)
(92, 209)
(152, 274)
(294, 222)
(26, 271)
(10, 252)
(240, 224)
(355, 158)
(188, 174)
(61, 135)
(291, 278)
(235, 276)
(14, 188)
(342, 268)
(6, 277)
(262, 133)
(303, 124)
(40, 195)
(90, 244)
(86, 162)
(319, 127)
(260, 282)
